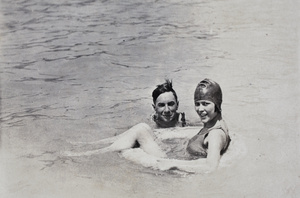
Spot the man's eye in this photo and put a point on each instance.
(161, 105)
(205, 103)
(197, 104)
(171, 103)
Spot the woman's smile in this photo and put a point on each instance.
(206, 110)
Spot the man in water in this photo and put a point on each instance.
(165, 105)
(204, 149)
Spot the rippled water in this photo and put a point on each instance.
(85, 70)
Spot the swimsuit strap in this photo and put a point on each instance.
(222, 125)
(183, 121)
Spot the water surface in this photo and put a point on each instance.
(85, 70)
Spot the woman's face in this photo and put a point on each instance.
(206, 110)
(166, 106)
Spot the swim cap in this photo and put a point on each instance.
(209, 90)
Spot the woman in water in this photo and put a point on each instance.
(212, 141)
(204, 149)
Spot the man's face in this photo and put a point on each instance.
(166, 106)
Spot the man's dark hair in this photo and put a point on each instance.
(165, 87)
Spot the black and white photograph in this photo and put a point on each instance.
(149, 99)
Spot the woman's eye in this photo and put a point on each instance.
(161, 105)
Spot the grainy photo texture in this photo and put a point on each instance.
(76, 75)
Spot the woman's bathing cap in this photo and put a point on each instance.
(209, 90)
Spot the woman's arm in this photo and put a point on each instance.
(216, 141)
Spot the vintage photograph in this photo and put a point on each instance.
(146, 99)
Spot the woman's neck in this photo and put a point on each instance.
(212, 122)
